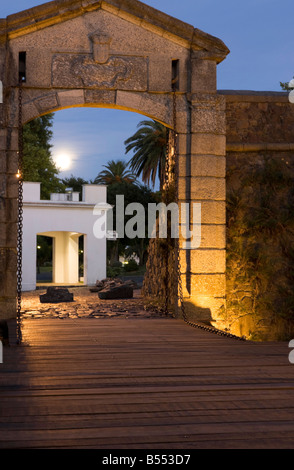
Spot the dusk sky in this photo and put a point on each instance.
(259, 34)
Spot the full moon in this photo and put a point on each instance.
(63, 161)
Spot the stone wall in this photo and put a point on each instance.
(260, 133)
(260, 176)
(258, 118)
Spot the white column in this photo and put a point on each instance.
(66, 258)
(29, 260)
(58, 257)
(72, 258)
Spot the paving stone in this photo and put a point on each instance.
(87, 305)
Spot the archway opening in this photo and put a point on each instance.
(44, 259)
(90, 138)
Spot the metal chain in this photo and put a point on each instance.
(180, 294)
(20, 212)
(165, 194)
(167, 164)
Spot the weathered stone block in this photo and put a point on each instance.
(3, 162)
(12, 162)
(204, 284)
(8, 211)
(184, 143)
(203, 188)
(208, 144)
(155, 105)
(11, 210)
(213, 212)
(214, 102)
(212, 236)
(11, 235)
(3, 139)
(100, 97)
(10, 283)
(203, 165)
(204, 261)
(203, 76)
(160, 73)
(30, 111)
(208, 120)
(38, 62)
(7, 308)
(47, 102)
(12, 186)
(3, 188)
(2, 234)
(71, 98)
(11, 259)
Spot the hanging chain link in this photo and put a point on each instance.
(179, 280)
(20, 212)
(166, 196)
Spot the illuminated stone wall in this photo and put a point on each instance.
(260, 176)
(258, 126)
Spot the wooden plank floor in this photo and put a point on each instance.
(143, 384)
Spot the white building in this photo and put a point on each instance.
(65, 219)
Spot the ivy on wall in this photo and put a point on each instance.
(260, 245)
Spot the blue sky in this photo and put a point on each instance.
(259, 34)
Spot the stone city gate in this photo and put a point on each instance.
(124, 55)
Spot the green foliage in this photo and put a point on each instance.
(113, 272)
(149, 146)
(260, 234)
(285, 85)
(44, 250)
(38, 165)
(132, 193)
(75, 183)
(115, 172)
(116, 264)
(131, 266)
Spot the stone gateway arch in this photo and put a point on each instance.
(120, 54)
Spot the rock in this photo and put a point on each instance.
(56, 295)
(117, 292)
(96, 289)
(131, 283)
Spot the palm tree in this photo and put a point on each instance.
(149, 145)
(115, 172)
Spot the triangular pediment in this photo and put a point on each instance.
(134, 11)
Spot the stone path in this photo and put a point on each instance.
(86, 305)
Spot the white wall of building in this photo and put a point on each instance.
(65, 221)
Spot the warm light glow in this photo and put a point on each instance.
(18, 174)
(63, 161)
